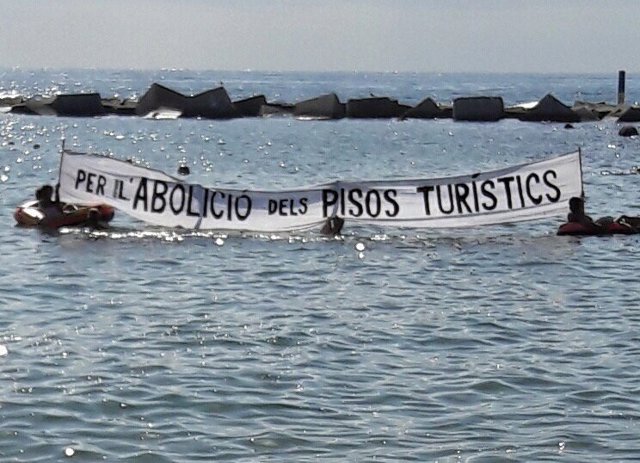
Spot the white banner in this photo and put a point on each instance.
(526, 192)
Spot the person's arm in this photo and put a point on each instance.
(631, 222)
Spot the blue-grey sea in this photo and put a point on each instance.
(142, 344)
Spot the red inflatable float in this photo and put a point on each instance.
(578, 229)
(29, 215)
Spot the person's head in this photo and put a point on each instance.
(576, 205)
(94, 215)
(44, 193)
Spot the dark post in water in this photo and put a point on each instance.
(621, 78)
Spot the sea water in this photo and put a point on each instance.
(142, 344)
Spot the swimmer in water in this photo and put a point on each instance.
(333, 226)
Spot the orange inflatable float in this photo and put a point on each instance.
(29, 215)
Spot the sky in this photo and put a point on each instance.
(528, 36)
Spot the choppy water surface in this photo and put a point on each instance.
(142, 344)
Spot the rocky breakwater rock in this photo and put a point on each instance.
(118, 107)
(211, 104)
(250, 107)
(36, 105)
(322, 107)
(478, 108)
(375, 107)
(428, 109)
(79, 105)
(548, 109)
(72, 105)
(7, 103)
(632, 114)
(276, 109)
(595, 111)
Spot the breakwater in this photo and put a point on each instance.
(162, 102)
